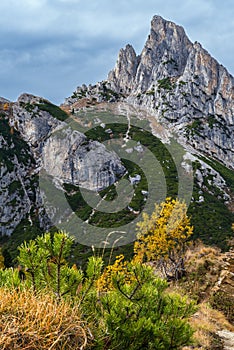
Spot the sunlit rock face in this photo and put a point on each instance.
(65, 154)
(182, 85)
(31, 141)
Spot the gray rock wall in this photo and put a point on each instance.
(35, 141)
(183, 86)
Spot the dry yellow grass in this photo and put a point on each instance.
(204, 265)
(29, 321)
(206, 323)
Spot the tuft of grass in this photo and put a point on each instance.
(222, 302)
(37, 321)
(203, 266)
(206, 322)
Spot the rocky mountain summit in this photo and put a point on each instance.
(173, 90)
(179, 83)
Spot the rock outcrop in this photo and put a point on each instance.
(32, 139)
(183, 86)
(165, 54)
(71, 158)
(179, 83)
(65, 154)
(19, 193)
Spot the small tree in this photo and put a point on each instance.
(44, 260)
(33, 259)
(163, 237)
(140, 314)
(9, 278)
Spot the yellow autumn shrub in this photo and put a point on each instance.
(164, 236)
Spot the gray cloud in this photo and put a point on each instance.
(48, 47)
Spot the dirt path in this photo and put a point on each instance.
(228, 339)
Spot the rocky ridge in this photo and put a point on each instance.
(64, 153)
(179, 83)
(33, 139)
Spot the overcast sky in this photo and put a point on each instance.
(48, 47)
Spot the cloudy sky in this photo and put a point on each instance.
(48, 47)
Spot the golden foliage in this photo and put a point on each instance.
(163, 235)
(167, 229)
(105, 281)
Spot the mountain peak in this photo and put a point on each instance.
(159, 22)
(125, 68)
(181, 84)
(167, 42)
(163, 30)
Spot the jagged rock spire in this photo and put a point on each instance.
(182, 84)
(122, 76)
(165, 53)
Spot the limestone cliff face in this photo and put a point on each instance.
(33, 124)
(165, 54)
(65, 154)
(183, 86)
(19, 194)
(32, 139)
(69, 157)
